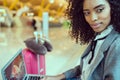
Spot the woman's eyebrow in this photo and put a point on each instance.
(99, 6)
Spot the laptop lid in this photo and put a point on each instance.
(15, 68)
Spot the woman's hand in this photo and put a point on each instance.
(57, 77)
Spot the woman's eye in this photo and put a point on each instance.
(99, 10)
(86, 13)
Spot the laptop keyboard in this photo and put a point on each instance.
(33, 77)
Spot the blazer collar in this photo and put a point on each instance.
(110, 38)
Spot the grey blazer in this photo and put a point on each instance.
(107, 62)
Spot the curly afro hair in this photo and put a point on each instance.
(80, 30)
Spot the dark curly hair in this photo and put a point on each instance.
(80, 30)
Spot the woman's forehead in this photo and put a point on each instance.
(93, 3)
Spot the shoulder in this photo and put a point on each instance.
(114, 49)
(116, 42)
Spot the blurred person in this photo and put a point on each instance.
(96, 23)
(36, 24)
(33, 24)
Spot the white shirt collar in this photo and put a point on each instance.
(104, 33)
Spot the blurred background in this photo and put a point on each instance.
(16, 25)
(55, 8)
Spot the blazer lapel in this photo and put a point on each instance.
(86, 51)
(108, 41)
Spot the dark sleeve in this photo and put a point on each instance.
(73, 73)
(74, 78)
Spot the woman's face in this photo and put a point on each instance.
(97, 14)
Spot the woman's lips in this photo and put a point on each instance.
(96, 25)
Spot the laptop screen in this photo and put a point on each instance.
(15, 68)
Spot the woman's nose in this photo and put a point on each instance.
(94, 17)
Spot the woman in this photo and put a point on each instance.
(96, 22)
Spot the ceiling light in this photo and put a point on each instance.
(51, 1)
